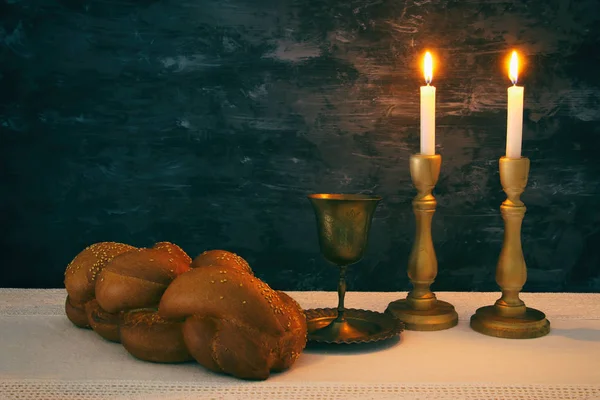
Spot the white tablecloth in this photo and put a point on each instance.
(43, 356)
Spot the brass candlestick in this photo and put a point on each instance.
(509, 317)
(421, 310)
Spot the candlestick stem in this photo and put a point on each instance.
(421, 311)
(509, 317)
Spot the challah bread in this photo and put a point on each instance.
(229, 346)
(76, 315)
(162, 310)
(221, 258)
(291, 347)
(234, 322)
(103, 323)
(141, 276)
(198, 333)
(222, 292)
(181, 261)
(137, 279)
(147, 336)
(81, 273)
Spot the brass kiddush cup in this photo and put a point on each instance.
(509, 317)
(343, 222)
(421, 310)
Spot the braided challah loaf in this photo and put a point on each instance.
(161, 310)
(137, 279)
(80, 277)
(234, 322)
(107, 279)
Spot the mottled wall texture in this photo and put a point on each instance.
(207, 122)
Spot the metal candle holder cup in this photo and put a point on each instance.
(509, 317)
(343, 223)
(421, 310)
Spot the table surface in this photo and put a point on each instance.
(42, 355)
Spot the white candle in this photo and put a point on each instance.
(428, 109)
(514, 124)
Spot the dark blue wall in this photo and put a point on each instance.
(207, 122)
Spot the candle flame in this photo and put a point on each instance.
(428, 68)
(513, 73)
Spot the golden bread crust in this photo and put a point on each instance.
(222, 292)
(147, 336)
(117, 292)
(81, 273)
(103, 323)
(76, 315)
(136, 279)
(234, 322)
(222, 258)
(181, 260)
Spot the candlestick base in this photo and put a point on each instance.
(441, 315)
(528, 325)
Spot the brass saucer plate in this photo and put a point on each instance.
(375, 326)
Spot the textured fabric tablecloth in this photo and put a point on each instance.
(43, 356)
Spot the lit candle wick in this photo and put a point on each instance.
(428, 68)
(513, 71)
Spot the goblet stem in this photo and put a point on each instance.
(341, 295)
